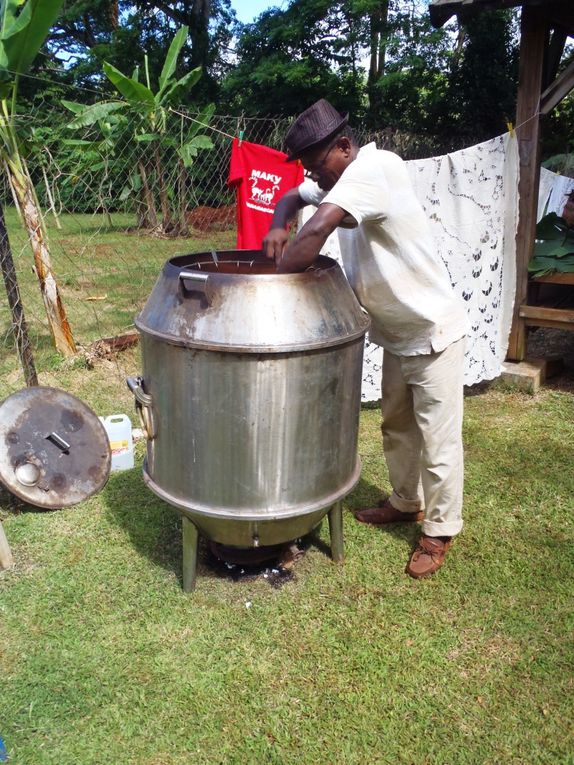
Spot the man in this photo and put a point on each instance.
(391, 264)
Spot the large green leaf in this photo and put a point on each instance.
(552, 226)
(23, 35)
(538, 266)
(125, 193)
(202, 142)
(171, 58)
(8, 12)
(201, 121)
(553, 247)
(136, 181)
(131, 90)
(95, 112)
(73, 106)
(188, 151)
(174, 92)
(143, 137)
(15, 20)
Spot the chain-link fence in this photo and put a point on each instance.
(116, 203)
(118, 198)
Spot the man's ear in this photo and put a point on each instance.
(345, 145)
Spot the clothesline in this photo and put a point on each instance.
(199, 122)
(511, 128)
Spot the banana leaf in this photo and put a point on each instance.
(554, 227)
(132, 90)
(171, 59)
(553, 247)
(539, 265)
(23, 29)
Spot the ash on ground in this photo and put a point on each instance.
(277, 570)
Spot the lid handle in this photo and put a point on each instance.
(59, 442)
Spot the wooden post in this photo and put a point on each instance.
(14, 301)
(533, 46)
(6, 560)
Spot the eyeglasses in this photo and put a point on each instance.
(316, 167)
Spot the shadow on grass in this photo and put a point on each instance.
(367, 494)
(13, 505)
(154, 529)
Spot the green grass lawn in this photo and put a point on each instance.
(103, 659)
(105, 274)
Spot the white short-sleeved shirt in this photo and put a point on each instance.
(390, 258)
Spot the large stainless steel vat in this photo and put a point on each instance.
(250, 395)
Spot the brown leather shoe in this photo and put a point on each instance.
(428, 556)
(386, 513)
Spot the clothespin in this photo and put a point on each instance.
(510, 128)
(241, 136)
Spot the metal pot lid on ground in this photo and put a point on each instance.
(54, 451)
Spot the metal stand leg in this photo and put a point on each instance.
(336, 532)
(190, 544)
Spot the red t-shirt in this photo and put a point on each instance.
(261, 176)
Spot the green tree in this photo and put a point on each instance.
(289, 58)
(384, 62)
(91, 32)
(23, 29)
(145, 117)
(408, 83)
(483, 80)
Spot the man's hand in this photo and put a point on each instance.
(274, 243)
(285, 211)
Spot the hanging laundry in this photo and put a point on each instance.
(261, 176)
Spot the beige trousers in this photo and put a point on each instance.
(422, 404)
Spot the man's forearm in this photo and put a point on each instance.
(286, 209)
(304, 250)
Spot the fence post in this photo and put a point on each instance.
(17, 309)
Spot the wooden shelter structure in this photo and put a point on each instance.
(545, 27)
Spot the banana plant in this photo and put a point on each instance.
(153, 142)
(24, 25)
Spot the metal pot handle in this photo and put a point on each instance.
(193, 281)
(143, 406)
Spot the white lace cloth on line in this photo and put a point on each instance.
(471, 199)
(552, 192)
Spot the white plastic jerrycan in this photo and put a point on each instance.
(119, 430)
